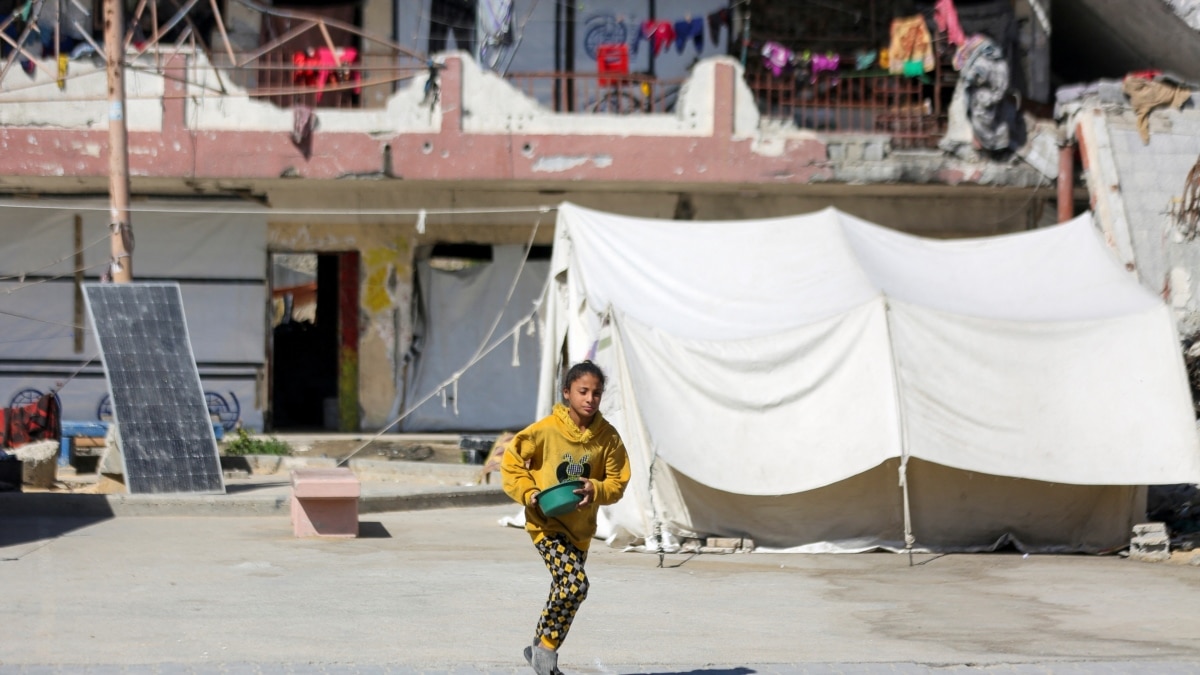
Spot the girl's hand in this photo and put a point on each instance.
(588, 491)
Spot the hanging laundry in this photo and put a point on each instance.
(689, 28)
(1146, 95)
(865, 60)
(304, 123)
(946, 17)
(990, 109)
(658, 33)
(825, 63)
(968, 48)
(910, 42)
(317, 66)
(61, 80)
(452, 17)
(716, 21)
(37, 421)
(496, 22)
(776, 57)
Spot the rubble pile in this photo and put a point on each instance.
(1178, 506)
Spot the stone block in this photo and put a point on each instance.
(837, 152)
(1143, 529)
(1150, 543)
(874, 152)
(39, 462)
(325, 502)
(723, 542)
(728, 544)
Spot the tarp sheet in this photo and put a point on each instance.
(455, 312)
(757, 359)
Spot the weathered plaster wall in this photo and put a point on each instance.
(1137, 191)
(83, 102)
(481, 130)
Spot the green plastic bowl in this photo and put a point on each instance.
(560, 499)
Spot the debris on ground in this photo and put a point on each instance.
(1178, 507)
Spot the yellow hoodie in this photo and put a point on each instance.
(553, 450)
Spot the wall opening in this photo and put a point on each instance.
(314, 342)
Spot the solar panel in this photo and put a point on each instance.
(158, 404)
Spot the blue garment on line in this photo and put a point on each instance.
(689, 29)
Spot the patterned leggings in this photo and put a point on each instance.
(568, 587)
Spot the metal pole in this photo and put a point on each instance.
(653, 16)
(746, 33)
(569, 55)
(1066, 181)
(118, 143)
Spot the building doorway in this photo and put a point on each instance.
(314, 342)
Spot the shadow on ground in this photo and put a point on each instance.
(18, 531)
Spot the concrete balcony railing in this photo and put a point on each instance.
(902, 108)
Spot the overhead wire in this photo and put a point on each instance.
(29, 273)
(47, 321)
(544, 208)
(24, 285)
(58, 386)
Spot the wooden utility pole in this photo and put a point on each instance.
(118, 143)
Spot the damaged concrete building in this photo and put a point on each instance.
(356, 197)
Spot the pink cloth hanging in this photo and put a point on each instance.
(946, 17)
(822, 63)
(776, 57)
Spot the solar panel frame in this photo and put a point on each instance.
(162, 419)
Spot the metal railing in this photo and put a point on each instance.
(612, 94)
(276, 77)
(904, 108)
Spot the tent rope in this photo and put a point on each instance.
(484, 349)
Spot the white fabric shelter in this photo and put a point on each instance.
(808, 381)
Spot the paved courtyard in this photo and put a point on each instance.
(450, 590)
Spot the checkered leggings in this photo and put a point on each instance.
(568, 586)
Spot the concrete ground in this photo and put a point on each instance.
(437, 585)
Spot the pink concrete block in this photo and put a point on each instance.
(324, 503)
(325, 483)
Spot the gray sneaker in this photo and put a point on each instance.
(544, 661)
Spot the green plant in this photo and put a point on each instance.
(245, 444)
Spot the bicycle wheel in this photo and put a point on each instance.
(617, 103)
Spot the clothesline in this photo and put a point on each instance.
(910, 50)
(497, 210)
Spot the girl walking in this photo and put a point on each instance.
(574, 442)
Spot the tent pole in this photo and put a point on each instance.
(909, 539)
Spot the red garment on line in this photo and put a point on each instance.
(37, 421)
(317, 66)
(659, 33)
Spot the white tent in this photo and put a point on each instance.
(818, 382)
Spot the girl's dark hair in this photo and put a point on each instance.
(583, 368)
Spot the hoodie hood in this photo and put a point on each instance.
(567, 427)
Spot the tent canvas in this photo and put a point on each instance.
(818, 382)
